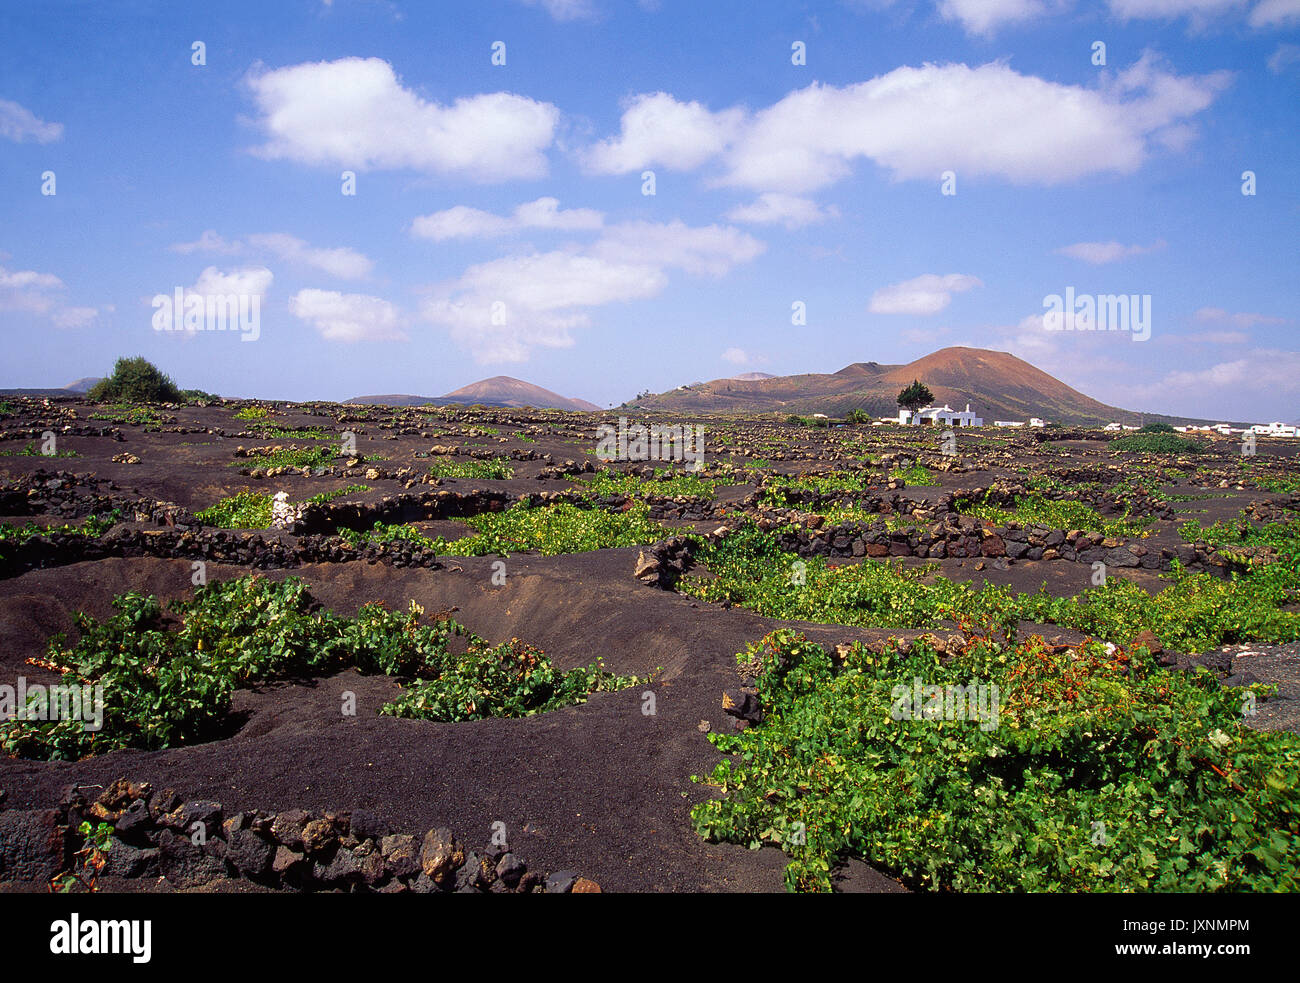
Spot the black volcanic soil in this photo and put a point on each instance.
(602, 788)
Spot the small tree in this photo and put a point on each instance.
(857, 416)
(915, 396)
(136, 380)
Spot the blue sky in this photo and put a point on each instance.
(499, 224)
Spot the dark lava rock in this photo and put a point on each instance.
(561, 882)
(201, 813)
(401, 853)
(124, 860)
(249, 853)
(134, 823)
(510, 870)
(31, 845)
(286, 828)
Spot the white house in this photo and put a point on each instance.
(1035, 422)
(1276, 429)
(941, 415)
(1008, 423)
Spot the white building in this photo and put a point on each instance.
(1276, 429)
(1035, 422)
(1008, 423)
(943, 415)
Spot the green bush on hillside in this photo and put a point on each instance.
(135, 380)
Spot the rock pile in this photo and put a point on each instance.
(157, 833)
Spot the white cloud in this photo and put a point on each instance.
(986, 16)
(36, 293)
(74, 317)
(19, 124)
(1216, 338)
(1283, 58)
(209, 242)
(1265, 14)
(1274, 13)
(658, 131)
(27, 279)
(918, 122)
(462, 222)
(347, 317)
(1261, 369)
(1241, 321)
(355, 113)
(711, 250)
(774, 208)
(341, 262)
(736, 356)
(253, 281)
(502, 309)
(565, 10)
(925, 294)
(1198, 10)
(1098, 253)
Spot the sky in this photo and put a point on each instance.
(603, 197)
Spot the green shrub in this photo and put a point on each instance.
(243, 510)
(135, 380)
(497, 468)
(1088, 770)
(290, 457)
(1195, 612)
(1156, 443)
(168, 680)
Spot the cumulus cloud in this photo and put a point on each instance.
(774, 208)
(1260, 369)
(502, 309)
(41, 293)
(20, 125)
(209, 242)
(1283, 58)
(74, 317)
(27, 279)
(347, 317)
(711, 250)
(1265, 14)
(658, 131)
(1216, 338)
(462, 222)
(355, 113)
(252, 281)
(341, 262)
(1275, 13)
(1099, 253)
(925, 294)
(984, 17)
(736, 356)
(918, 122)
(1172, 9)
(1242, 321)
(565, 10)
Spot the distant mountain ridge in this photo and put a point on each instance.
(500, 390)
(997, 385)
(78, 387)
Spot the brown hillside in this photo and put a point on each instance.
(997, 385)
